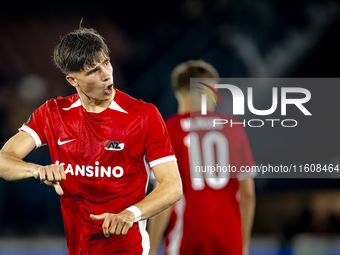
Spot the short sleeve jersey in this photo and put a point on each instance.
(207, 219)
(107, 158)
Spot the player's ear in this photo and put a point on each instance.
(72, 80)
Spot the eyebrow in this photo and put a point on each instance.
(96, 68)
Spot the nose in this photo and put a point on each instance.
(106, 74)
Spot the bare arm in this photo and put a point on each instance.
(163, 196)
(166, 193)
(13, 168)
(247, 210)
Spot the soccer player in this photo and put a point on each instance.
(216, 212)
(102, 143)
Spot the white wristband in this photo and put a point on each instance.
(136, 212)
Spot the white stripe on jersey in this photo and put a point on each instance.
(115, 106)
(75, 104)
(142, 223)
(145, 237)
(33, 134)
(175, 237)
(162, 160)
(147, 168)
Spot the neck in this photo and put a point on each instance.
(95, 105)
(183, 103)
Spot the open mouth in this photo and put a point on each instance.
(109, 89)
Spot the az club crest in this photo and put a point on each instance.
(114, 145)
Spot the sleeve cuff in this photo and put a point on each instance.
(162, 160)
(34, 135)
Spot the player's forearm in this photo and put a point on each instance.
(12, 168)
(247, 210)
(161, 198)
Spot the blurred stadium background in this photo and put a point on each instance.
(241, 38)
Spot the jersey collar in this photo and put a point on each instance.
(113, 105)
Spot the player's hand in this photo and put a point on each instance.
(51, 175)
(115, 223)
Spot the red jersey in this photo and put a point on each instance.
(106, 158)
(207, 219)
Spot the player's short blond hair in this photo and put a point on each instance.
(180, 76)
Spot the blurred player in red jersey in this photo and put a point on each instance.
(102, 143)
(215, 215)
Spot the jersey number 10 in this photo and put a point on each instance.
(213, 145)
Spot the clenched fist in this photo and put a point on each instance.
(115, 223)
(51, 175)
